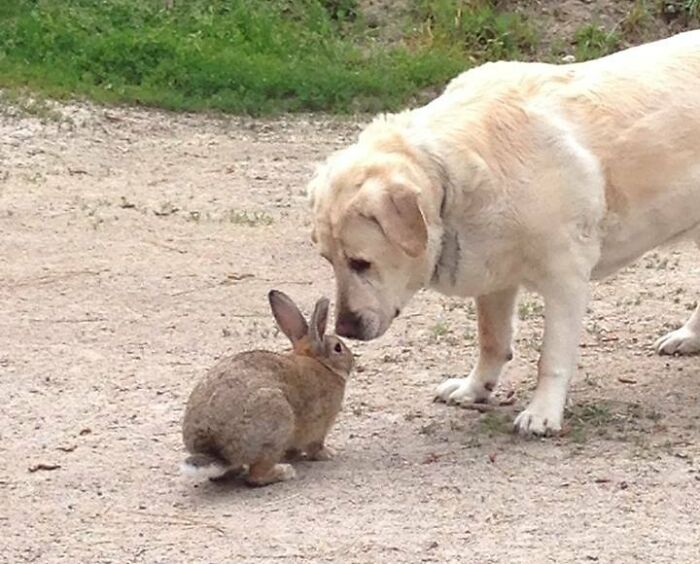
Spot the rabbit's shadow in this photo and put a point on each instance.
(231, 481)
(234, 481)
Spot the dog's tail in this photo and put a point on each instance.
(204, 466)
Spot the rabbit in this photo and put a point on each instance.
(258, 407)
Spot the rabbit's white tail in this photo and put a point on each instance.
(204, 466)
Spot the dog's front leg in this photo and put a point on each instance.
(495, 326)
(565, 306)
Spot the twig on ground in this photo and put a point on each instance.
(85, 320)
(167, 247)
(180, 520)
(51, 279)
(43, 466)
(484, 407)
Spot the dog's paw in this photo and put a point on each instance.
(538, 422)
(680, 341)
(461, 391)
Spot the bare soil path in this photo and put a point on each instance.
(137, 247)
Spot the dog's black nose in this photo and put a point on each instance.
(349, 324)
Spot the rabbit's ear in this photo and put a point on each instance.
(318, 322)
(287, 315)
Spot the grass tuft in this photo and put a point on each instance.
(476, 28)
(593, 41)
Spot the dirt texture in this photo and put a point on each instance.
(137, 248)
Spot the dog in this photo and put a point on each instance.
(518, 175)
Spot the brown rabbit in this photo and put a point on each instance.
(257, 407)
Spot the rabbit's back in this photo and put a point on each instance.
(240, 410)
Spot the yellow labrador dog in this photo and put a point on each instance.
(519, 174)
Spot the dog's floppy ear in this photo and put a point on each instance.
(400, 217)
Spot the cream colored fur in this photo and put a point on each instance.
(522, 175)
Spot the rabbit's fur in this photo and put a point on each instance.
(254, 408)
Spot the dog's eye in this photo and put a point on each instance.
(337, 348)
(358, 265)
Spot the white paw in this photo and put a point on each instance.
(680, 341)
(535, 421)
(461, 391)
(285, 472)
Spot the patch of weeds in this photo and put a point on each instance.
(637, 20)
(477, 28)
(460, 304)
(558, 49)
(469, 335)
(608, 419)
(439, 330)
(528, 309)
(249, 219)
(236, 216)
(494, 423)
(686, 10)
(641, 447)
(22, 103)
(693, 8)
(532, 342)
(33, 177)
(341, 10)
(637, 300)
(592, 41)
(584, 418)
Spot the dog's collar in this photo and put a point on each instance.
(449, 248)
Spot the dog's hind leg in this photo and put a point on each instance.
(685, 340)
(495, 325)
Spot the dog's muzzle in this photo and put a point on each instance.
(349, 324)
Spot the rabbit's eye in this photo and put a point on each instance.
(337, 348)
(358, 265)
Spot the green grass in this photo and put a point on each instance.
(693, 8)
(494, 423)
(245, 56)
(241, 57)
(688, 9)
(593, 41)
(529, 309)
(476, 28)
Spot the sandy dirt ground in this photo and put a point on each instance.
(137, 247)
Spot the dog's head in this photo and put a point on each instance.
(370, 224)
